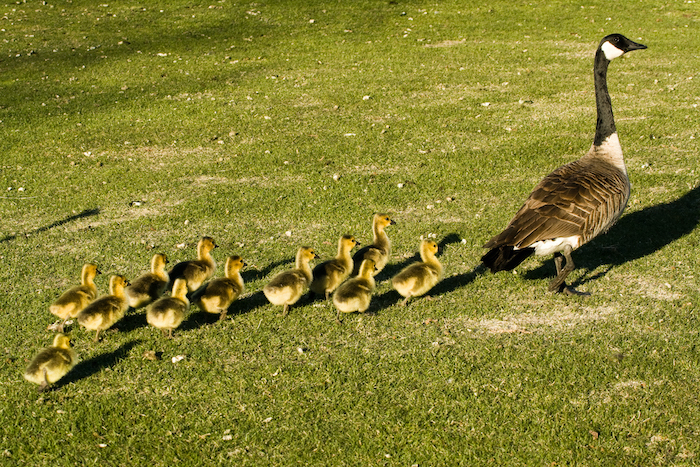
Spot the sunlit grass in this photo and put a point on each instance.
(126, 130)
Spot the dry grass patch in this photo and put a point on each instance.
(557, 319)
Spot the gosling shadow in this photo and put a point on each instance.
(392, 269)
(91, 366)
(196, 319)
(247, 304)
(634, 236)
(80, 215)
(456, 281)
(132, 320)
(251, 274)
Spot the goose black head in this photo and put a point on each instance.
(615, 45)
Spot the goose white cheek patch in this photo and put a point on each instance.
(611, 52)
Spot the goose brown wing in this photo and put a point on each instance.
(580, 198)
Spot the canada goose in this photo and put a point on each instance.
(149, 286)
(418, 278)
(288, 286)
(69, 304)
(579, 200)
(51, 363)
(167, 313)
(330, 274)
(380, 249)
(106, 310)
(220, 293)
(199, 270)
(356, 293)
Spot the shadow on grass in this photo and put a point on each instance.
(392, 269)
(80, 215)
(198, 318)
(96, 364)
(134, 319)
(251, 275)
(634, 236)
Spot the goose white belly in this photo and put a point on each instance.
(547, 247)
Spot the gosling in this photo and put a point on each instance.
(418, 278)
(288, 286)
(197, 271)
(167, 313)
(380, 249)
(106, 310)
(73, 300)
(327, 276)
(150, 286)
(355, 294)
(52, 363)
(219, 294)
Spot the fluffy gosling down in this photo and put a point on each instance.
(73, 300)
(418, 278)
(355, 294)
(328, 275)
(380, 249)
(287, 287)
(106, 310)
(52, 363)
(197, 271)
(150, 286)
(167, 313)
(220, 293)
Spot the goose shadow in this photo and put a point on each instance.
(80, 215)
(91, 366)
(634, 236)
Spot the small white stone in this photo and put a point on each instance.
(178, 358)
(288, 233)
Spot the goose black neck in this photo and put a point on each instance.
(605, 125)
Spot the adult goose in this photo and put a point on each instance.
(579, 200)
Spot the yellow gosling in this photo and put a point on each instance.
(288, 286)
(52, 363)
(327, 276)
(167, 313)
(197, 271)
(106, 310)
(220, 293)
(69, 304)
(380, 249)
(418, 278)
(355, 294)
(150, 286)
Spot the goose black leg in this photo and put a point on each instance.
(558, 284)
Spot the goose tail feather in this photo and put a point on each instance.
(505, 257)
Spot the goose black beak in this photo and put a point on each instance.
(635, 46)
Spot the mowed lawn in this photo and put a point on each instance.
(129, 129)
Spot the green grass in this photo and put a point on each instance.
(249, 123)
